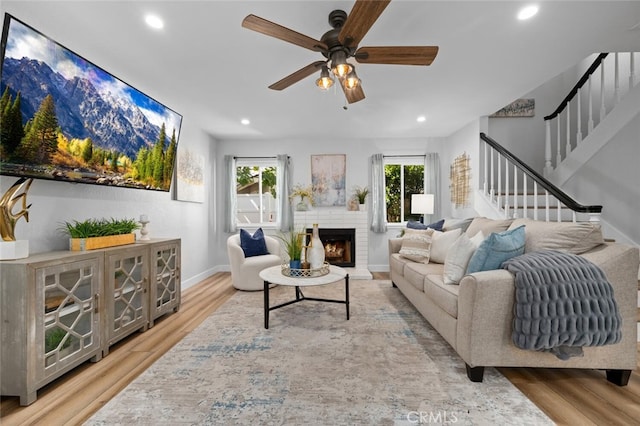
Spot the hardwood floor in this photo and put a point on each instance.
(569, 397)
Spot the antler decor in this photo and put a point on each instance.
(10, 198)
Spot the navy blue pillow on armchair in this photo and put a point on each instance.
(253, 245)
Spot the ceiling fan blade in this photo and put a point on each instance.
(297, 76)
(362, 16)
(353, 95)
(400, 55)
(272, 29)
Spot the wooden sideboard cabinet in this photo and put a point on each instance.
(60, 309)
(50, 318)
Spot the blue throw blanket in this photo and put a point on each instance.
(563, 302)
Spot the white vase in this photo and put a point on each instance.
(315, 253)
(362, 207)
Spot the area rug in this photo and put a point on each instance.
(384, 366)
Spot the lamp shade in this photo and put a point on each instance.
(421, 203)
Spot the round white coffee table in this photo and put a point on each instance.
(273, 275)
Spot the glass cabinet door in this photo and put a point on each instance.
(166, 289)
(126, 288)
(70, 313)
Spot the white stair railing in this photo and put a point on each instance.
(575, 114)
(504, 171)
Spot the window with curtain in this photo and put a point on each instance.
(256, 191)
(404, 176)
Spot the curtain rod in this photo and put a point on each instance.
(405, 156)
(255, 158)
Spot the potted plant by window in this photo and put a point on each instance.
(93, 234)
(303, 192)
(361, 195)
(293, 246)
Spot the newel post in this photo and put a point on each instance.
(547, 149)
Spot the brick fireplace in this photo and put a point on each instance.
(337, 220)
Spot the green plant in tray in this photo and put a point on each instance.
(292, 244)
(99, 227)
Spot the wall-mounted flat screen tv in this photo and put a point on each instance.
(64, 118)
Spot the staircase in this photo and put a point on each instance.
(604, 100)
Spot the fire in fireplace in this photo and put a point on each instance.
(339, 245)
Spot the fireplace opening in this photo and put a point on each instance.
(339, 245)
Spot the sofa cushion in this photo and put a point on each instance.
(453, 223)
(413, 224)
(457, 260)
(497, 248)
(253, 245)
(416, 245)
(575, 238)
(487, 226)
(415, 272)
(445, 296)
(441, 242)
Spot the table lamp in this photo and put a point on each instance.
(422, 204)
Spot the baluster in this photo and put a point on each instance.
(499, 194)
(574, 216)
(559, 216)
(506, 188)
(486, 169)
(632, 71)
(590, 122)
(558, 154)
(568, 144)
(515, 191)
(546, 205)
(525, 213)
(603, 111)
(547, 149)
(493, 192)
(535, 200)
(616, 77)
(579, 120)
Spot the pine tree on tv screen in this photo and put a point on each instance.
(63, 118)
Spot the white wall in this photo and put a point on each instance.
(53, 203)
(358, 153)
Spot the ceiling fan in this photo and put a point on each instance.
(341, 43)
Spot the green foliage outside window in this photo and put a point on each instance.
(402, 180)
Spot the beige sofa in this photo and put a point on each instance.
(475, 316)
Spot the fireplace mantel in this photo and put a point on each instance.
(341, 218)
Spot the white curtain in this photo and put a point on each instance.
(378, 204)
(231, 199)
(283, 179)
(432, 184)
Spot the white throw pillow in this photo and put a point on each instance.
(416, 245)
(441, 243)
(455, 264)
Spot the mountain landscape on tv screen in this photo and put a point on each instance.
(65, 119)
(82, 111)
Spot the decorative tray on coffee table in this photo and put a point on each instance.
(305, 273)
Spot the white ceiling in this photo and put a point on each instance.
(204, 65)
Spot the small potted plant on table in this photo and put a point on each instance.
(293, 246)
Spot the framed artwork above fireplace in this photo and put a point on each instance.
(328, 173)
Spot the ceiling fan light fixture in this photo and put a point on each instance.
(339, 65)
(325, 81)
(352, 80)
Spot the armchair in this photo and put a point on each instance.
(245, 270)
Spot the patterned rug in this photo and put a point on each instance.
(385, 366)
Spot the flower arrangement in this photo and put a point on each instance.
(303, 192)
(361, 193)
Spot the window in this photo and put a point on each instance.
(403, 176)
(257, 202)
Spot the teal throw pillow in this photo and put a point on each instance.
(253, 245)
(497, 248)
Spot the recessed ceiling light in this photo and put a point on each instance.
(527, 12)
(421, 119)
(245, 121)
(154, 22)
